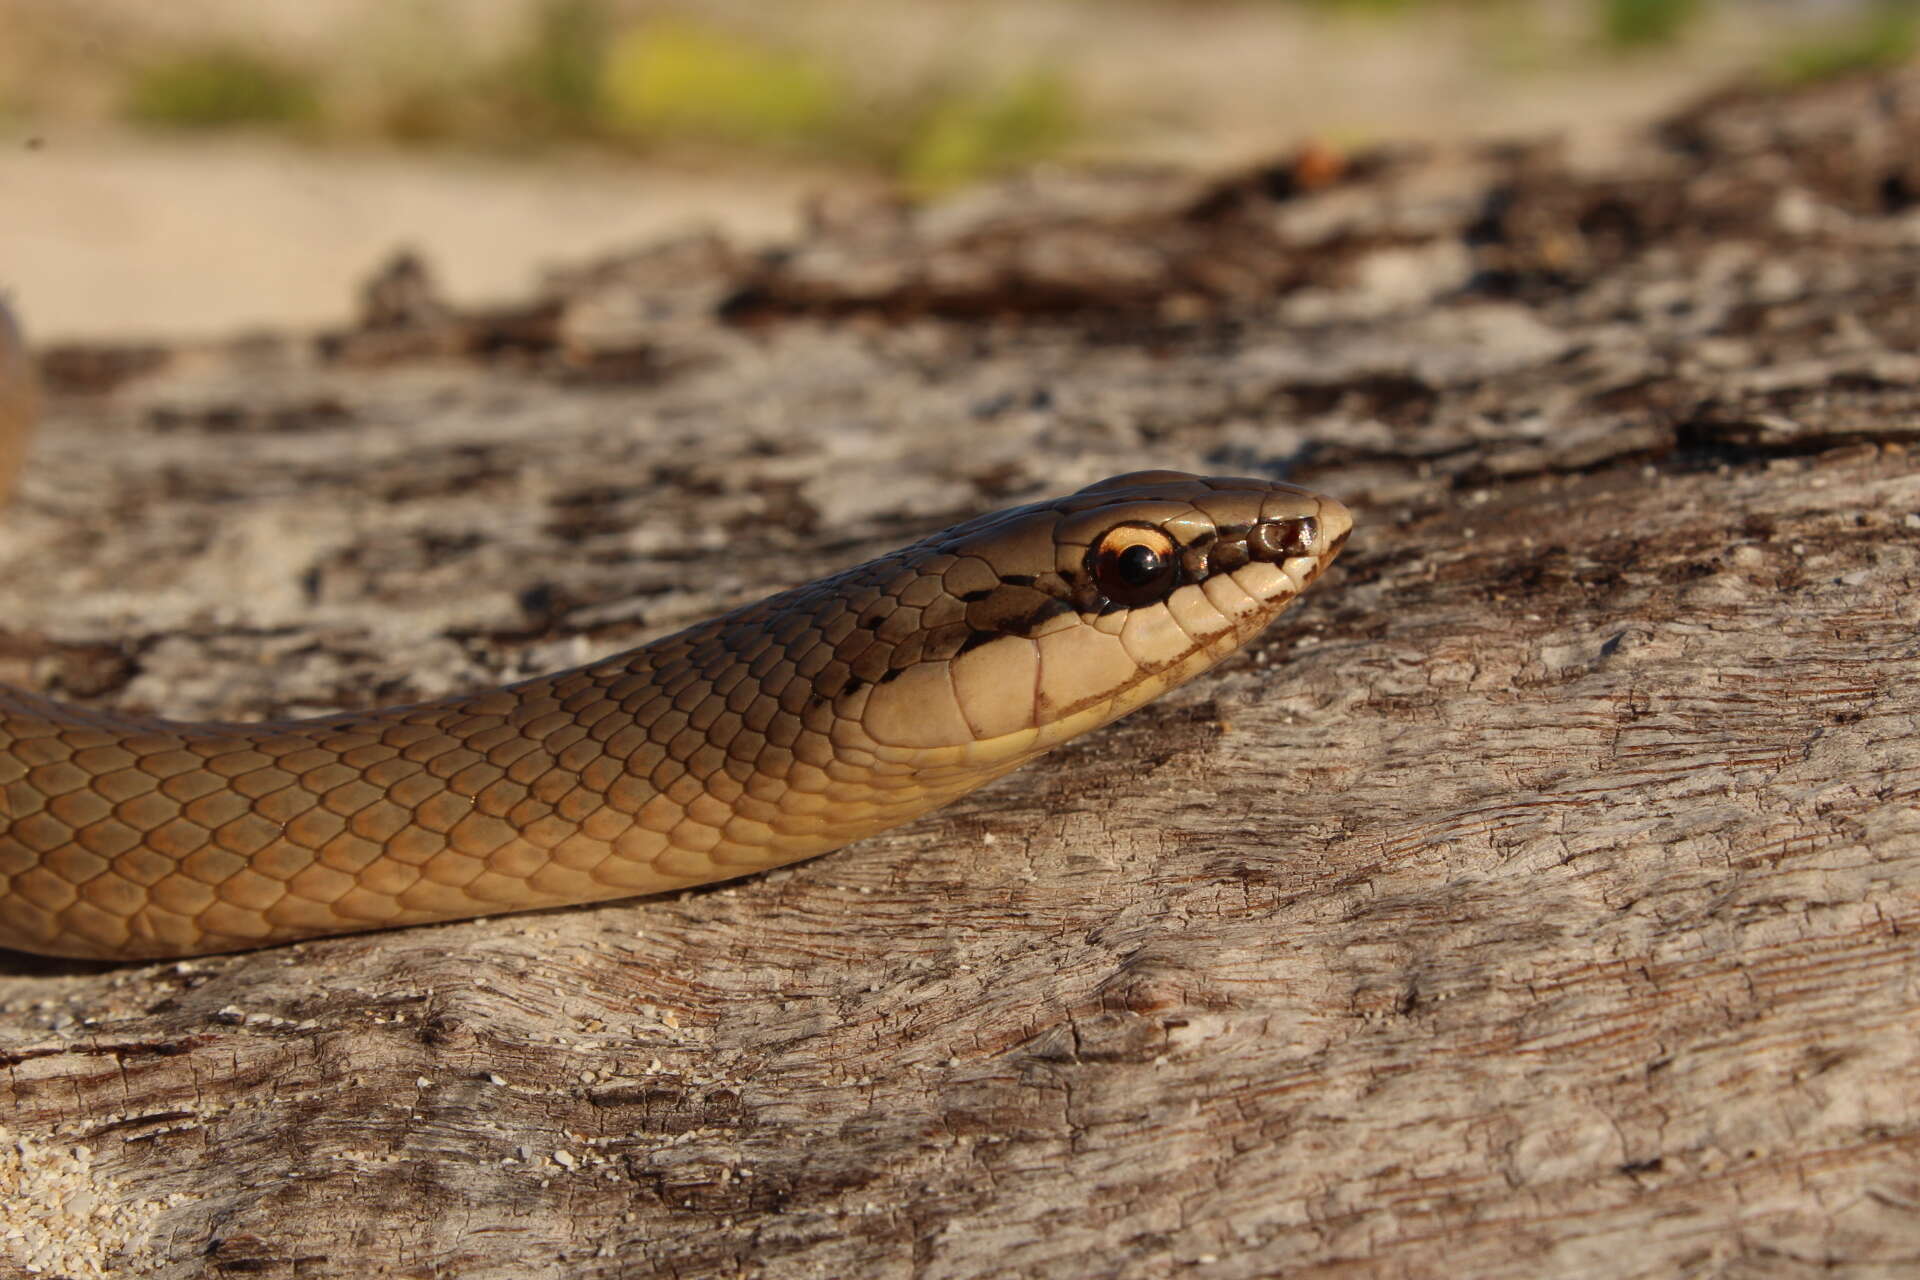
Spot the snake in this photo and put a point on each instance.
(772, 733)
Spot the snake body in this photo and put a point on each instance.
(770, 734)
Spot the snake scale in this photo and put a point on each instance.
(770, 734)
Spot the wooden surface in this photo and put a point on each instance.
(1540, 898)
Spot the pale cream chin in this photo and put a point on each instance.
(1007, 701)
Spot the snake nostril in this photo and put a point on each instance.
(1278, 539)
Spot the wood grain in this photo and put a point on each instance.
(1538, 899)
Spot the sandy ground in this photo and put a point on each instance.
(114, 238)
(108, 236)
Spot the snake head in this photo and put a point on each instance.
(1001, 637)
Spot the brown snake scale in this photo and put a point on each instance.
(770, 734)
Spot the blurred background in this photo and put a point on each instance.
(207, 166)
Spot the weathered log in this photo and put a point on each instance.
(1539, 899)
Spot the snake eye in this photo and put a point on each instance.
(1134, 564)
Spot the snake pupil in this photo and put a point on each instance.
(1139, 565)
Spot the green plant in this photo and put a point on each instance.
(219, 87)
(559, 67)
(579, 69)
(1368, 8)
(964, 135)
(1638, 24)
(1888, 34)
(675, 77)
